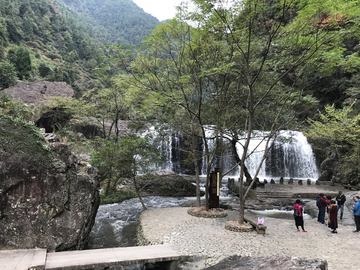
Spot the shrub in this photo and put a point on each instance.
(8, 77)
(117, 196)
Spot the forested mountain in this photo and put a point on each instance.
(60, 40)
(233, 52)
(124, 21)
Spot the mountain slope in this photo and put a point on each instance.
(64, 41)
(124, 21)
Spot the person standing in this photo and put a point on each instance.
(298, 215)
(301, 200)
(340, 199)
(328, 203)
(333, 222)
(321, 204)
(356, 210)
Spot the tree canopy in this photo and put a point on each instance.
(237, 69)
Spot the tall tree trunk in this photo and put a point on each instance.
(138, 194)
(238, 160)
(108, 182)
(197, 169)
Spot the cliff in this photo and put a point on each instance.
(48, 198)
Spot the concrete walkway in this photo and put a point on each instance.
(84, 259)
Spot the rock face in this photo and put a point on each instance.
(268, 263)
(48, 198)
(171, 185)
(37, 92)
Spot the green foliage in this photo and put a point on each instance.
(12, 108)
(20, 58)
(44, 70)
(3, 38)
(65, 39)
(106, 106)
(49, 34)
(336, 126)
(240, 68)
(22, 140)
(124, 158)
(118, 21)
(339, 130)
(8, 75)
(117, 196)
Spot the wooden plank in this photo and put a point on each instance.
(22, 259)
(85, 259)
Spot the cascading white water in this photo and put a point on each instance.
(290, 156)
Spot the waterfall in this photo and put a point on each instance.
(290, 156)
(294, 159)
(172, 148)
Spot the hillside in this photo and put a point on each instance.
(58, 40)
(124, 21)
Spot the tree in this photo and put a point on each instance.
(20, 58)
(8, 76)
(169, 73)
(126, 158)
(106, 106)
(3, 39)
(337, 131)
(44, 69)
(268, 42)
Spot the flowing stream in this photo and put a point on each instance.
(115, 223)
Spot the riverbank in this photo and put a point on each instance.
(210, 242)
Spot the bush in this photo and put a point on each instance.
(117, 196)
(8, 77)
(20, 58)
(44, 70)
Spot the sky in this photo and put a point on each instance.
(161, 9)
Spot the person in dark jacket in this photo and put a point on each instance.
(356, 210)
(301, 200)
(333, 224)
(321, 204)
(299, 220)
(340, 199)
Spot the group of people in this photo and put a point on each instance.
(329, 206)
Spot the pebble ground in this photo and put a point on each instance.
(206, 237)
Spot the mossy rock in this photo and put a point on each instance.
(22, 141)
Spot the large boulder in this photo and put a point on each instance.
(48, 198)
(37, 92)
(166, 184)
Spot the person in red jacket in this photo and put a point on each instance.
(298, 215)
(333, 220)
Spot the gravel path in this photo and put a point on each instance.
(208, 237)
